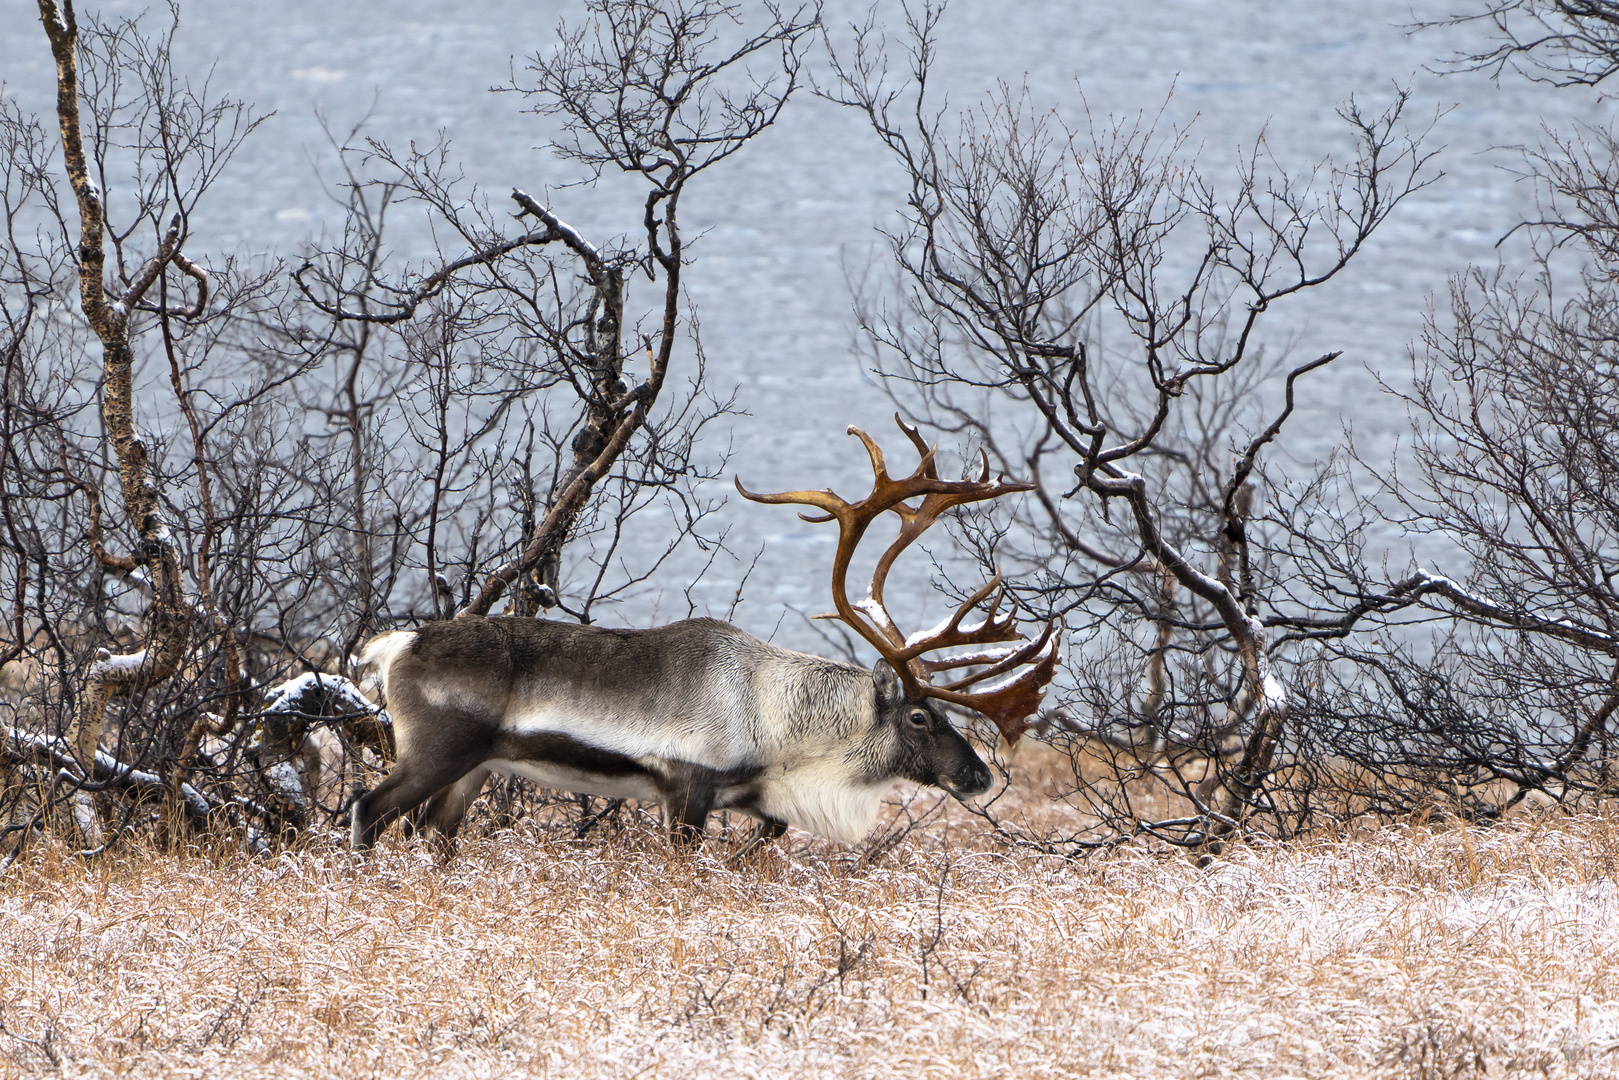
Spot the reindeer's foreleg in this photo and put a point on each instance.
(770, 829)
(687, 799)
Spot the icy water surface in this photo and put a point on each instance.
(785, 219)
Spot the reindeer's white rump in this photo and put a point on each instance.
(381, 651)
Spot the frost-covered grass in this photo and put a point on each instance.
(1405, 951)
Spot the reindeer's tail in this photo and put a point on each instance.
(381, 652)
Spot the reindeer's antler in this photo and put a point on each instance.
(1009, 702)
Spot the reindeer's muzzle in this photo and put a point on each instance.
(971, 779)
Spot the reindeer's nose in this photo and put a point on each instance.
(972, 780)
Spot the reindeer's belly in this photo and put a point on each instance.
(702, 731)
(616, 785)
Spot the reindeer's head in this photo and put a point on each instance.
(916, 741)
(1013, 697)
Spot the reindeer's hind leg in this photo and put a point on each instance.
(444, 812)
(414, 780)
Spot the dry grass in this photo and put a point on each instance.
(1405, 951)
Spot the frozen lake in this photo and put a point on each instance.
(785, 219)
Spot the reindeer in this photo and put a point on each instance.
(700, 716)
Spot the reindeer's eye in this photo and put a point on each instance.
(918, 718)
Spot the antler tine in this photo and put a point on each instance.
(927, 452)
(997, 661)
(949, 635)
(879, 464)
(826, 500)
(1010, 704)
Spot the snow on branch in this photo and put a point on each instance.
(317, 695)
(1426, 583)
(107, 772)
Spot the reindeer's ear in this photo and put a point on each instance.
(889, 689)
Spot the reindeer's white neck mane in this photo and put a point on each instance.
(820, 797)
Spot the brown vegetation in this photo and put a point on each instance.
(1408, 950)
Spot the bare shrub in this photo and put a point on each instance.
(1514, 491)
(251, 500)
(1088, 306)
